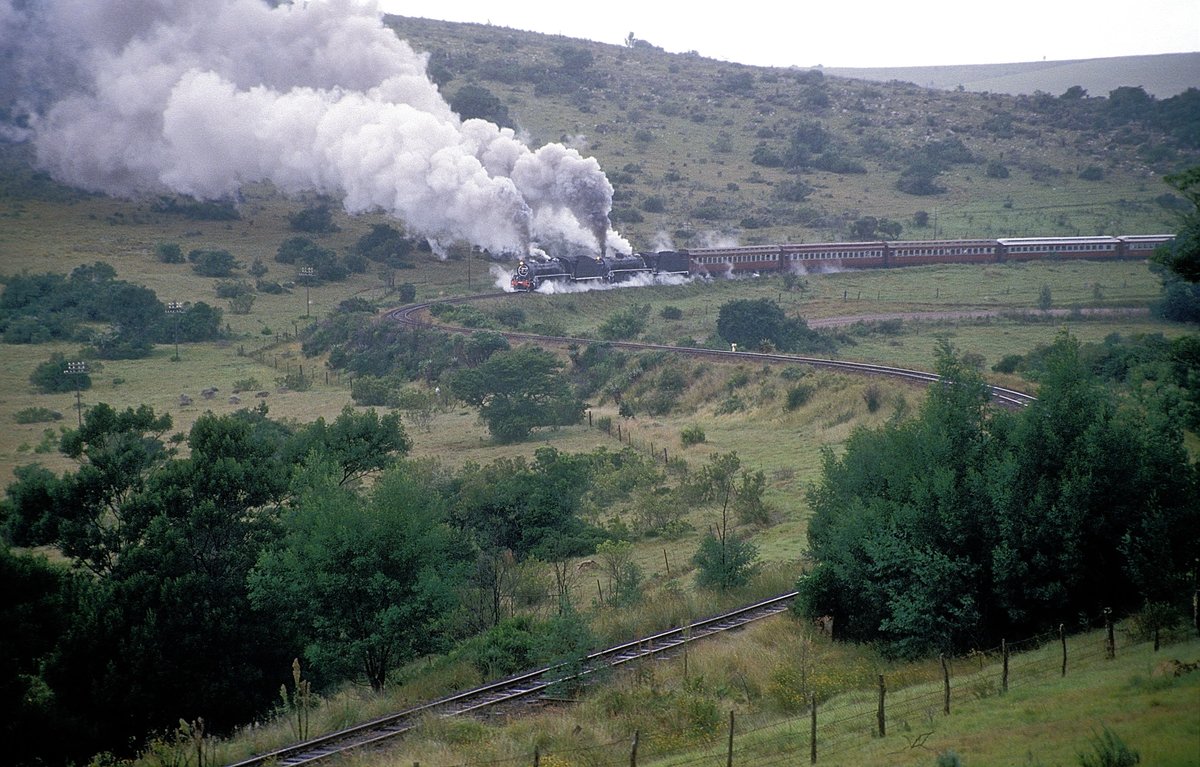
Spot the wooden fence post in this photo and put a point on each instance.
(537, 756)
(812, 734)
(879, 716)
(1062, 637)
(633, 753)
(729, 752)
(1004, 675)
(1110, 645)
(945, 687)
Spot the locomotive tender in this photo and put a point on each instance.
(819, 256)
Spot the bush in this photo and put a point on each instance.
(692, 435)
(37, 415)
(317, 220)
(798, 396)
(212, 263)
(51, 377)
(873, 396)
(371, 391)
(671, 313)
(169, 253)
(1109, 751)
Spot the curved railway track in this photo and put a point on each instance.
(515, 688)
(413, 314)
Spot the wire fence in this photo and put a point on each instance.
(845, 721)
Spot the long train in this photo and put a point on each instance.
(820, 256)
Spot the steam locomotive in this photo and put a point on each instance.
(820, 256)
(531, 273)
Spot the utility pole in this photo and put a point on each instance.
(75, 370)
(307, 273)
(175, 308)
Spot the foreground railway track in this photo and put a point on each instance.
(415, 315)
(521, 687)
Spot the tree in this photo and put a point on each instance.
(750, 323)
(165, 629)
(725, 559)
(317, 219)
(213, 263)
(370, 582)
(97, 513)
(51, 376)
(1183, 255)
(964, 525)
(359, 443)
(517, 391)
(475, 101)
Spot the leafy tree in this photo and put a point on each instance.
(97, 513)
(725, 560)
(51, 376)
(517, 391)
(384, 244)
(624, 576)
(750, 323)
(317, 219)
(359, 443)
(625, 324)
(1183, 255)
(169, 253)
(475, 101)
(166, 630)
(36, 605)
(213, 263)
(369, 582)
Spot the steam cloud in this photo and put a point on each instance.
(199, 97)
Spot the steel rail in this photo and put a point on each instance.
(513, 688)
(412, 315)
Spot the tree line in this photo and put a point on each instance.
(965, 525)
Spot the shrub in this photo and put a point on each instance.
(671, 313)
(371, 391)
(873, 396)
(37, 415)
(51, 376)
(1109, 751)
(169, 253)
(692, 435)
(798, 396)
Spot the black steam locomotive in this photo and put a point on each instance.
(531, 273)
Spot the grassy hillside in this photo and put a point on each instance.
(679, 131)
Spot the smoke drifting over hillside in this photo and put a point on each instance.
(201, 96)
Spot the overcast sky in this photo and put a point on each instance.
(853, 33)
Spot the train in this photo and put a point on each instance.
(826, 256)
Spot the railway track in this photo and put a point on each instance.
(516, 688)
(413, 314)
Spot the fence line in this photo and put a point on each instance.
(845, 724)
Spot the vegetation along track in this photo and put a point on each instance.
(521, 687)
(414, 314)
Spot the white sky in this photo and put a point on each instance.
(853, 33)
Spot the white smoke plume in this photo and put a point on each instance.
(199, 97)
